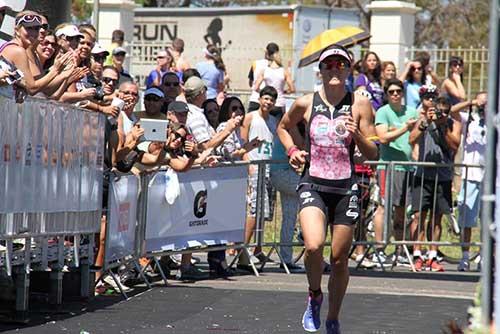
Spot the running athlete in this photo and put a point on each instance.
(328, 193)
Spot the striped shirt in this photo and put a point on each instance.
(198, 125)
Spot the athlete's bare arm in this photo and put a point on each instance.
(300, 111)
(363, 127)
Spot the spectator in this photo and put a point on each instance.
(99, 55)
(393, 124)
(26, 32)
(255, 69)
(212, 71)
(369, 79)
(177, 112)
(285, 180)
(388, 72)
(154, 104)
(118, 59)
(232, 148)
(68, 37)
(211, 112)
(425, 58)
(117, 40)
(438, 138)
(414, 78)
(177, 51)
(349, 82)
(128, 92)
(164, 63)
(171, 87)
(47, 50)
(261, 125)
(474, 141)
(275, 75)
(452, 86)
(190, 72)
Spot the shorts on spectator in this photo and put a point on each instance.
(423, 196)
(252, 195)
(469, 205)
(401, 185)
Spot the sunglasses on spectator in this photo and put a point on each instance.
(457, 64)
(444, 111)
(109, 81)
(45, 26)
(429, 96)
(129, 93)
(171, 84)
(333, 64)
(29, 18)
(152, 98)
(161, 57)
(99, 59)
(120, 54)
(415, 68)
(179, 136)
(73, 38)
(236, 108)
(394, 91)
(47, 43)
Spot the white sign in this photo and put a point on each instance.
(210, 210)
(122, 218)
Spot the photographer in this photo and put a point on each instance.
(438, 137)
(472, 116)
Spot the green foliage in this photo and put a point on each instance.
(81, 9)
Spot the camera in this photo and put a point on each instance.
(99, 91)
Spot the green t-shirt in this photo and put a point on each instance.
(400, 148)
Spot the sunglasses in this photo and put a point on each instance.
(47, 43)
(429, 96)
(29, 18)
(236, 108)
(394, 91)
(108, 80)
(73, 38)
(152, 98)
(444, 111)
(45, 26)
(99, 59)
(179, 136)
(161, 57)
(334, 64)
(417, 68)
(457, 64)
(130, 93)
(171, 84)
(120, 54)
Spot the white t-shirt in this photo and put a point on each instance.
(474, 145)
(264, 130)
(260, 65)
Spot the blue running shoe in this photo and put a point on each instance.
(311, 320)
(332, 327)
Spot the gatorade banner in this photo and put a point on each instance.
(204, 207)
(122, 218)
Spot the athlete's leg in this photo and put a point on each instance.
(312, 222)
(339, 277)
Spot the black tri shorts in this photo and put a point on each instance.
(339, 209)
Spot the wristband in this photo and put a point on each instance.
(292, 150)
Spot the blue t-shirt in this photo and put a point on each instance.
(212, 77)
(154, 74)
(372, 87)
(412, 98)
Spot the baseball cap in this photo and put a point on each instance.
(194, 86)
(334, 50)
(154, 91)
(178, 106)
(118, 50)
(98, 49)
(70, 31)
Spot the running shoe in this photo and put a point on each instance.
(382, 260)
(419, 263)
(464, 265)
(311, 319)
(366, 263)
(434, 265)
(332, 327)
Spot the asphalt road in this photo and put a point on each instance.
(397, 302)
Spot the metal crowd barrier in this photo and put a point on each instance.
(51, 168)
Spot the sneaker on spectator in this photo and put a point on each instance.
(385, 260)
(311, 320)
(434, 265)
(189, 274)
(261, 258)
(464, 265)
(402, 260)
(332, 327)
(366, 263)
(418, 262)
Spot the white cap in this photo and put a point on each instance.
(69, 31)
(98, 49)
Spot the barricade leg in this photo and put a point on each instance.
(118, 283)
(22, 282)
(141, 273)
(157, 263)
(56, 287)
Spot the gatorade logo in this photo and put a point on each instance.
(200, 204)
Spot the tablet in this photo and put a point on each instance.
(154, 129)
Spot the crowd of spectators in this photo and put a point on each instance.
(415, 121)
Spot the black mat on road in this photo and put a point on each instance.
(188, 310)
